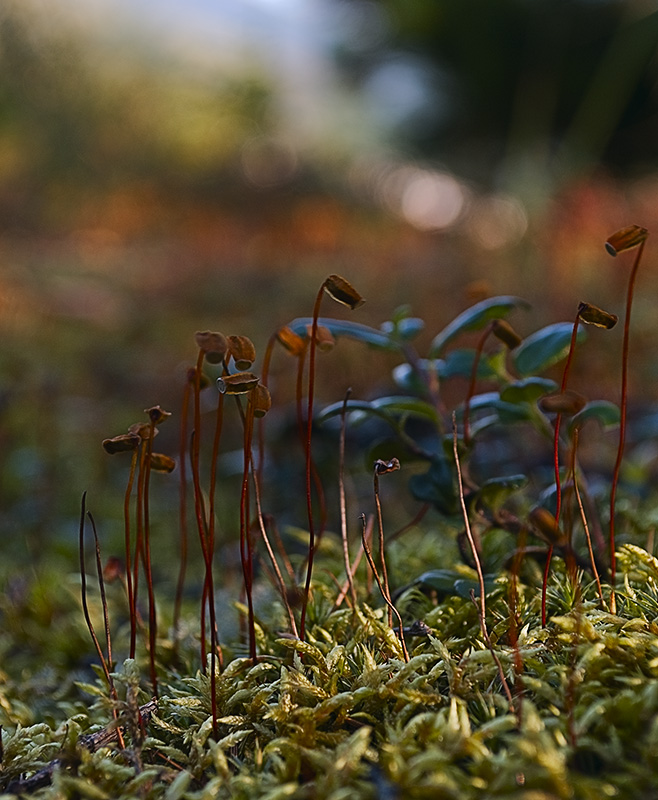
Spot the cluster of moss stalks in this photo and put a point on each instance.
(537, 682)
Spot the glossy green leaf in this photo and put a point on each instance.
(436, 486)
(475, 318)
(504, 412)
(336, 409)
(486, 400)
(353, 330)
(406, 405)
(607, 414)
(459, 364)
(464, 586)
(514, 412)
(545, 347)
(441, 580)
(527, 390)
(385, 407)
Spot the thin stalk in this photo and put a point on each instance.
(481, 606)
(556, 468)
(101, 587)
(132, 609)
(355, 564)
(83, 592)
(269, 522)
(153, 624)
(270, 552)
(265, 372)
(246, 545)
(467, 524)
(381, 467)
(622, 423)
(309, 432)
(199, 505)
(219, 418)
(207, 533)
(583, 517)
(139, 539)
(383, 588)
(471, 386)
(343, 506)
(199, 512)
(182, 523)
(303, 430)
(208, 594)
(106, 622)
(515, 621)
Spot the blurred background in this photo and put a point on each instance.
(168, 166)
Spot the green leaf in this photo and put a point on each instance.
(514, 412)
(545, 347)
(459, 364)
(353, 408)
(441, 580)
(456, 364)
(353, 330)
(603, 411)
(406, 405)
(436, 486)
(527, 390)
(464, 586)
(505, 412)
(495, 491)
(388, 408)
(475, 318)
(486, 400)
(452, 582)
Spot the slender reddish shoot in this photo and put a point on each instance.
(626, 239)
(343, 292)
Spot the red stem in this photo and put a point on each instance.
(139, 539)
(471, 386)
(309, 430)
(265, 373)
(132, 604)
(556, 467)
(622, 423)
(182, 525)
(246, 544)
(153, 624)
(199, 507)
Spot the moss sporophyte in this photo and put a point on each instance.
(446, 622)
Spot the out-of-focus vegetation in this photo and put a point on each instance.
(514, 91)
(141, 200)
